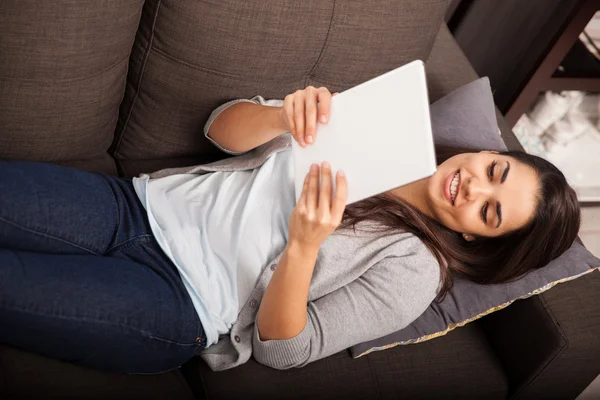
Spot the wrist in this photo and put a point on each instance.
(299, 249)
(279, 118)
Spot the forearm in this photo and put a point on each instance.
(282, 313)
(245, 126)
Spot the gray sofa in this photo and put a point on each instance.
(125, 86)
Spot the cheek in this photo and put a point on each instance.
(459, 220)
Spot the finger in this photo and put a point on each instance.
(302, 198)
(325, 191)
(299, 118)
(310, 114)
(339, 199)
(313, 188)
(324, 98)
(288, 109)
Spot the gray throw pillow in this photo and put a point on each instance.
(466, 118)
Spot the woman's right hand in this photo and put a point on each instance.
(301, 109)
(318, 211)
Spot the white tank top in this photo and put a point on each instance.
(220, 230)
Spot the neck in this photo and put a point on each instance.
(415, 194)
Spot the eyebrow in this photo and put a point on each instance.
(499, 213)
(498, 206)
(505, 173)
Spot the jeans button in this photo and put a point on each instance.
(237, 338)
(273, 267)
(253, 303)
(198, 340)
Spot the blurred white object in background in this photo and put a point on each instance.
(551, 107)
(579, 160)
(566, 129)
(590, 107)
(526, 131)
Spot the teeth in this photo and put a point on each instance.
(453, 186)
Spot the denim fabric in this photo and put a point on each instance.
(82, 278)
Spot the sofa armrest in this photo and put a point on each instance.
(448, 69)
(550, 344)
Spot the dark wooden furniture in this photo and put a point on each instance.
(544, 77)
(519, 44)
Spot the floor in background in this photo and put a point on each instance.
(590, 236)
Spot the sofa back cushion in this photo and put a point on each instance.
(191, 56)
(63, 67)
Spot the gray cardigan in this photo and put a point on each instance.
(364, 285)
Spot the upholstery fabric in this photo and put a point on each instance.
(191, 56)
(466, 118)
(443, 77)
(445, 74)
(131, 168)
(101, 163)
(537, 365)
(24, 375)
(435, 369)
(63, 66)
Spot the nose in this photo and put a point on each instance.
(475, 188)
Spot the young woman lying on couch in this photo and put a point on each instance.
(139, 276)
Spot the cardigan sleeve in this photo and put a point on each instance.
(223, 107)
(386, 298)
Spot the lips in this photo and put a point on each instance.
(446, 189)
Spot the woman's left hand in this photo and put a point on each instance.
(319, 210)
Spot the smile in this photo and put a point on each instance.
(452, 187)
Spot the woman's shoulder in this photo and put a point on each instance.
(411, 262)
(401, 246)
(371, 232)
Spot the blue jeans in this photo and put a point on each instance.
(82, 278)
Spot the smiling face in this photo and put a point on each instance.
(483, 194)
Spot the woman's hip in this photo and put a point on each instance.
(109, 313)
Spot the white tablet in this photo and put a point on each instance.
(379, 134)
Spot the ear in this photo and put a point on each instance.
(489, 151)
(467, 237)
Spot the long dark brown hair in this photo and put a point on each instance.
(486, 260)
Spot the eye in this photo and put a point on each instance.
(484, 210)
(491, 169)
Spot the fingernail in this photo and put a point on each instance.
(323, 119)
(326, 164)
(313, 167)
(301, 142)
(309, 139)
(341, 173)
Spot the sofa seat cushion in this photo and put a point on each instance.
(25, 375)
(462, 366)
